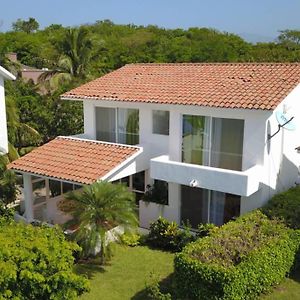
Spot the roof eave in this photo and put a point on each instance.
(6, 74)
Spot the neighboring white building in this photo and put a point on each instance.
(4, 75)
(202, 128)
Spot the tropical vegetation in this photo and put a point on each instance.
(286, 207)
(95, 210)
(37, 263)
(240, 260)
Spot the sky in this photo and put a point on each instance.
(251, 18)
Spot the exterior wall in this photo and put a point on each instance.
(3, 126)
(149, 212)
(281, 158)
(31, 74)
(54, 215)
(155, 145)
(277, 160)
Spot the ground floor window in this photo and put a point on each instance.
(136, 184)
(206, 206)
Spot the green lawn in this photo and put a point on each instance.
(287, 290)
(131, 269)
(128, 273)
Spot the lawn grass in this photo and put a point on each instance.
(289, 289)
(127, 274)
(131, 268)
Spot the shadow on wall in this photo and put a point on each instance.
(285, 179)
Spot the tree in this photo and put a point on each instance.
(29, 26)
(37, 263)
(20, 135)
(7, 183)
(97, 209)
(76, 48)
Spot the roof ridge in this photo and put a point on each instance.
(210, 63)
(96, 141)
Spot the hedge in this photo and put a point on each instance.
(285, 206)
(239, 261)
(37, 263)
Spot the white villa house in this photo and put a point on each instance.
(4, 75)
(208, 131)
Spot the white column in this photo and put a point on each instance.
(3, 127)
(89, 115)
(172, 211)
(47, 197)
(28, 197)
(175, 137)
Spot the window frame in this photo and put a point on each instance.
(159, 133)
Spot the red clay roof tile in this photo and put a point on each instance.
(74, 160)
(235, 85)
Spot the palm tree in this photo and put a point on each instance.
(98, 208)
(76, 50)
(22, 137)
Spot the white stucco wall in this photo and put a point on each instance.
(3, 126)
(4, 74)
(276, 162)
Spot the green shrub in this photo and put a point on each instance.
(131, 239)
(240, 260)
(6, 214)
(167, 235)
(205, 229)
(285, 206)
(153, 291)
(157, 193)
(37, 263)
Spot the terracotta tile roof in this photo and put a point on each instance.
(74, 160)
(230, 85)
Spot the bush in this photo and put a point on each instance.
(240, 260)
(157, 193)
(285, 206)
(167, 235)
(6, 214)
(131, 239)
(206, 229)
(153, 291)
(37, 263)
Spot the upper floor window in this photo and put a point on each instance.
(160, 122)
(215, 142)
(117, 125)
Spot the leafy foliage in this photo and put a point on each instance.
(285, 206)
(98, 208)
(157, 193)
(131, 239)
(206, 229)
(240, 260)
(26, 26)
(7, 182)
(153, 291)
(167, 235)
(36, 263)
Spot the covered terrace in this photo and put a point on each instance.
(68, 163)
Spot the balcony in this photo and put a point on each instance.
(243, 183)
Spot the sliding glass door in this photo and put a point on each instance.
(206, 206)
(194, 206)
(227, 143)
(106, 124)
(215, 142)
(117, 125)
(195, 140)
(128, 126)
